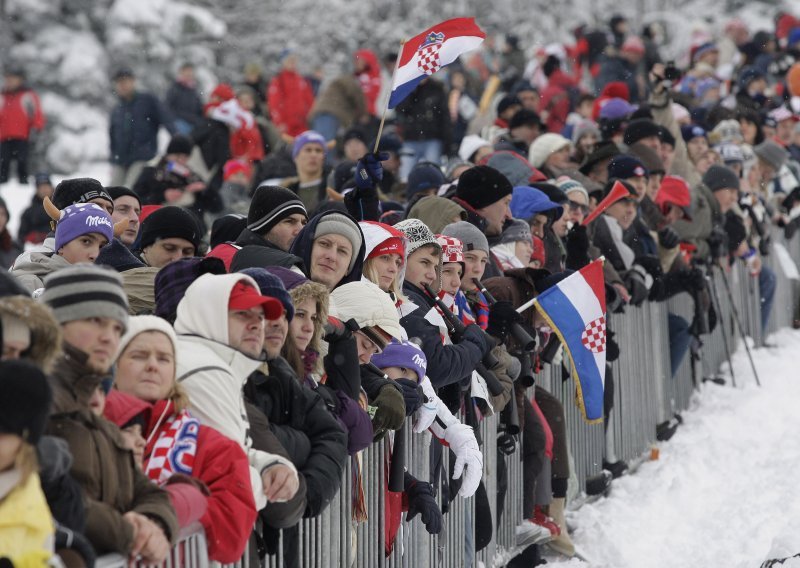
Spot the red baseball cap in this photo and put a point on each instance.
(244, 297)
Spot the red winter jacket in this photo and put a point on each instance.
(289, 100)
(219, 463)
(370, 78)
(555, 100)
(20, 111)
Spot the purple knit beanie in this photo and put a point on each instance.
(308, 137)
(404, 354)
(83, 219)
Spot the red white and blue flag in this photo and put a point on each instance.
(426, 53)
(575, 308)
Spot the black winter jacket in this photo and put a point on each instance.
(134, 128)
(424, 115)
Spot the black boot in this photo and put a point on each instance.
(617, 468)
(599, 484)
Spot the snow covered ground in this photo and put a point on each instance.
(724, 491)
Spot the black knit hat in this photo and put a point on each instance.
(227, 228)
(79, 190)
(169, 222)
(270, 205)
(640, 129)
(174, 279)
(180, 145)
(117, 191)
(25, 399)
(481, 186)
(721, 177)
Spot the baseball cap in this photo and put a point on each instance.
(243, 297)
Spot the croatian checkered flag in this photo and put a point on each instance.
(426, 53)
(575, 309)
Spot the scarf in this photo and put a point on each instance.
(480, 307)
(173, 449)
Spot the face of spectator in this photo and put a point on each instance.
(585, 108)
(310, 159)
(186, 74)
(83, 249)
(275, 333)
(726, 198)
(127, 208)
(421, 266)
(246, 330)
(674, 214)
(290, 62)
(125, 87)
(474, 266)
(529, 100)
(330, 259)
(510, 111)
(451, 277)
(135, 442)
(667, 155)
(560, 224)
(652, 142)
(97, 402)
(354, 149)
(13, 348)
(10, 445)
(538, 225)
(395, 373)
(696, 147)
(283, 234)
(496, 215)
(640, 184)
(523, 251)
(12, 82)
(586, 143)
(526, 133)
(392, 164)
(45, 190)
(366, 347)
(301, 328)
(246, 100)
(164, 251)
(707, 160)
(482, 152)
(386, 267)
(97, 337)
(749, 130)
(784, 131)
(578, 207)
(624, 211)
(146, 369)
(559, 159)
(107, 205)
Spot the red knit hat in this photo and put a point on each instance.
(395, 244)
(233, 167)
(223, 91)
(674, 191)
(452, 249)
(538, 251)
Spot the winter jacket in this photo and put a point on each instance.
(369, 78)
(20, 112)
(343, 98)
(184, 103)
(447, 364)
(9, 250)
(616, 69)
(34, 225)
(102, 464)
(278, 257)
(213, 373)
(437, 212)
(301, 421)
(139, 286)
(555, 100)
(134, 125)
(213, 140)
(705, 215)
(661, 107)
(32, 271)
(26, 527)
(63, 494)
(289, 100)
(424, 115)
(219, 463)
(304, 242)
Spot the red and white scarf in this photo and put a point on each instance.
(174, 450)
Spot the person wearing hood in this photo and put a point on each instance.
(168, 234)
(437, 212)
(172, 281)
(177, 445)
(332, 248)
(368, 72)
(220, 327)
(289, 97)
(275, 218)
(81, 232)
(516, 245)
(125, 513)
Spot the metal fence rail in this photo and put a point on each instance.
(646, 394)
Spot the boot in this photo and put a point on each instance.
(561, 543)
(617, 468)
(540, 518)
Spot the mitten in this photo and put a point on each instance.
(668, 238)
(421, 501)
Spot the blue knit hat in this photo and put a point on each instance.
(402, 354)
(83, 219)
(271, 285)
(308, 137)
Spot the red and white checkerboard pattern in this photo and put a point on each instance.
(429, 62)
(594, 336)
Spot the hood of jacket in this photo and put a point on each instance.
(368, 305)
(437, 212)
(304, 242)
(38, 264)
(373, 68)
(45, 331)
(73, 382)
(122, 407)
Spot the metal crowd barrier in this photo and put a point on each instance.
(646, 394)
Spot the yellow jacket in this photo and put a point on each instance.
(26, 525)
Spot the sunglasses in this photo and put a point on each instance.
(574, 206)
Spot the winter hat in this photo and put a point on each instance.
(689, 131)
(772, 153)
(649, 158)
(436, 212)
(524, 117)
(272, 286)
(173, 279)
(782, 113)
(371, 307)
(471, 144)
(452, 249)
(223, 91)
(544, 146)
(79, 190)
(395, 243)
(354, 133)
(528, 201)
(625, 166)
(418, 235)
(516, 230)
(569, 185)
(730, 153)
(639, 129)
(118, 256)
(25, 399)
(402, 354)
(423, 176)
(344, 225)
(538, 251)
(516, 168)
(180, 145)
(747, 75)
(42, 178)
(666, 136)
(169, 222)
(308, 137)
(227, 228)
(727, 131)
(633, 44)
(615, 109)
(506, 102)
(603, 150)
(582, 128)
(270, 205)
(233, 167)
(552, 192)
(117, 191)
(721, 177)
(83, 219)
(482, 185)
(84, 291)
(471, 237)
(675, 191)
(140, 324)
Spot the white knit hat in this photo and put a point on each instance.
(545, 145)
(140, 324)
(470, 144)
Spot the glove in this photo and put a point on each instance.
(337, 330)
(668, 238)
(369, 170)
(651, 264)
(412, 395)
(422, 502)
(502, 316)
(469, 460)
(693, 280)
(506, 444)
(427, 412)
(612, 347)
(391, 410)
(474, 333)
(577, 245)
(613, 299)
(717, 242)
(636, 283)
(764, 245)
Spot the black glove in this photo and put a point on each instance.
(717, 242)
(651, 264)
(668, 238)
(341, 364)
(634, 282)
(369, 170)
(790, 200)
(694, 280)
(474, 332)
(764, 245)
(337, 330)
(412, 395)
(506, 444)
(502, 316)
(577, 244)
(612, 347)
(422, 502)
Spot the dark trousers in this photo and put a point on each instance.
(14, 151)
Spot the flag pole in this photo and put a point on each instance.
(389, 94)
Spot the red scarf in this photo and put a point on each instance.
(172, 444)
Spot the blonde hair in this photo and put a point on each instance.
(371, 273)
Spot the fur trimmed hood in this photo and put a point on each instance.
(45, 331)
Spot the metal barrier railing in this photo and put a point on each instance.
(646, 394)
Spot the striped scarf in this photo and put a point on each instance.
(174, 449)
(480, 307)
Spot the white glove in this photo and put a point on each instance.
(426, 414)
(558, 358)
(469, 460)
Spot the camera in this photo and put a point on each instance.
(671, 72)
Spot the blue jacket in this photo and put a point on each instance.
(133, 129)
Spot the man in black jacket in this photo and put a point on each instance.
(425, 123)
